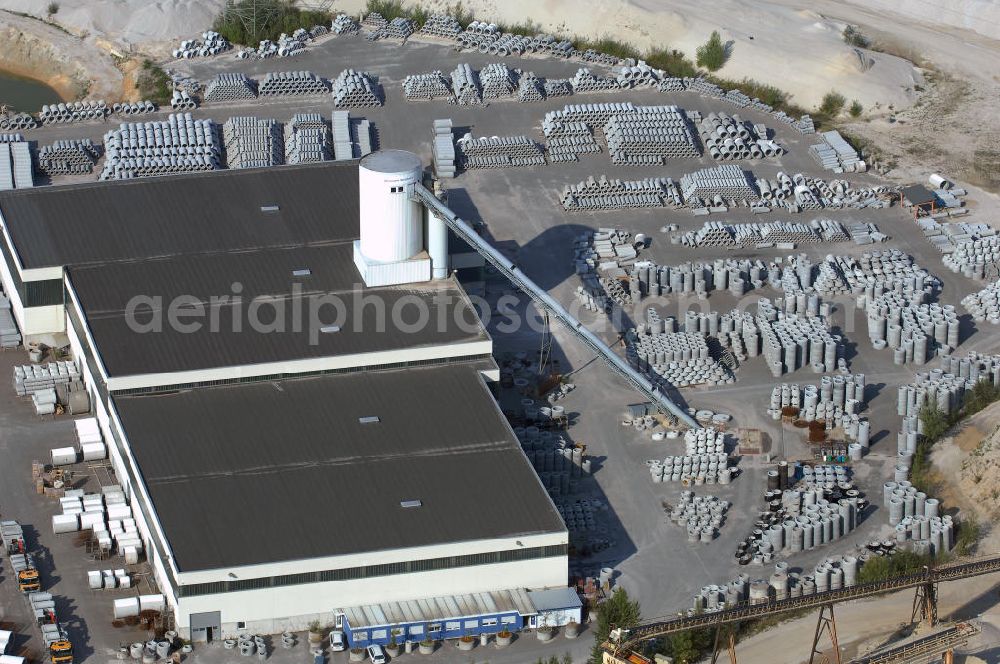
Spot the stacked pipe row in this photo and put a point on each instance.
(972, 257)
(427, 86)
(984, 305)
(729, 137)
(180, 100)
(374, 20)
(649, 135)
(180, 144)
(798, 192)
(604, 194)
(650, 279)
(355, 89)
(465, 85)
(496, 80)
(565, 141)
(307, 139)
(252, 142)
(441, 25)
(695, 468)
(720, 234)
(499, 152)
(701, 516)
(585, 81)
(343, 143)
(399, 28)
(344, 25)
(211, 43)
(66, 157)
(915, 517)
(144, 107)
(557, 87)
(681, 359)
(530, 88)
(488, 39)
(836, 154)
(729, 182)
(792, 342)
(284, 47)
(630, 76)
(592, 114)
(230, 86)
(292, 83)
(17, 121)
(444, 149)
(74, 111)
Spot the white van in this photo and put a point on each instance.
(376, 654)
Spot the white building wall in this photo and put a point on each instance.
(274, 610)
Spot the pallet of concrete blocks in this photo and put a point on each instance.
(180, 100)
(343, 144)
(671, 84)
(292, 83)
(180, 144)
(701, 516)
(16, 167)
(230, 86)
(499, 152)
(465, 85)
(211, 43)
(74, 111)
(444, 149)
(427, 86)
(353, 89)
(344, 25)
(639, 74)
(10, 336)
(17, 121)
(529, 88)
(252, 142)
(584, 80)
(649, 135)
(441, 25)
(66, 157)
(307, 139)
(604, 194)
(31, 378)
(557, 87)
(728, 181)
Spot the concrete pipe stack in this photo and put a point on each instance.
(649, 135)
(793, 342)
(17, 121)
(343, 143)
(252, 142)
(590, 55)
(292, 83)
(441, 25)
(585, 81)
(143, 107)
(682, 359)
(374, 20)
(830, 401)
(729, 182)
(701, 516)
(530, 88)
(465, 85)
(444, 149)
(692, 470)
(593, 114)
(211, 43)
(672, 84)
(67, 157)
(639, 74)
(499, 152)
(496, 81)
(604, 194)
(307, 139)
(984, 305)
(181, 100)
(945, 387)
(355, 89)
(972, 257)
(230, 86)
(557, 87)
(729, 137)
(74, 111)
(427, 86)
(399, 28)
(566, 141)
(179, 144)
(344, 25)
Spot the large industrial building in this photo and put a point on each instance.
(297, 440)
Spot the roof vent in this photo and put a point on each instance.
(269, 208)
(303, 272)
(371, 419)
(410, 503)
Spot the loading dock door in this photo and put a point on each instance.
(206, 627)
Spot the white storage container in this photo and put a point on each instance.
(63, 456)
(65, 523)
(125, 607)
(93, 451)
(131, 554)
(95, 580)
(152, 602)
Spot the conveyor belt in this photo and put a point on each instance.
(923, 650)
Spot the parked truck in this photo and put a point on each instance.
(57, 644)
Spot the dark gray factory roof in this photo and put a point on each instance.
(269, 472)
(183, 214)
(105, 291)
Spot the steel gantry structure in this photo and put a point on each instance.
(924, 608)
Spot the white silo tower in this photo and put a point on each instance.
(391, 248)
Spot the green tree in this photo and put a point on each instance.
(713, 53)
(832, 104)
(856, 109)
(969, 532)
(688, 647)
(934, 422)
(617, 611)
